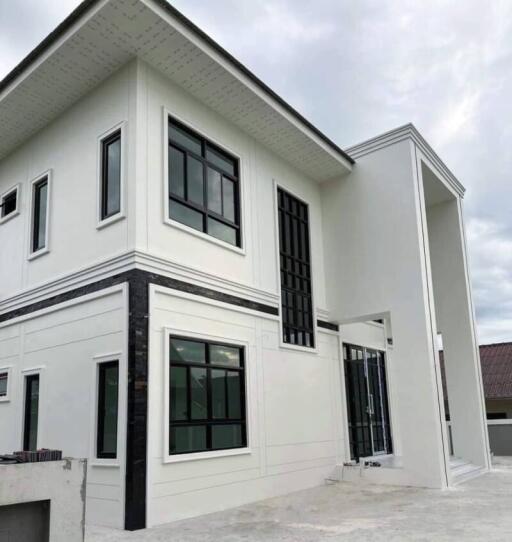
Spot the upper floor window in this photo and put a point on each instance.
(204, 191)
(4, 384)
(9, 204)
(39, 236)
(296, 295)
(110, 193)
(206, 396)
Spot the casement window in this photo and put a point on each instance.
(294, 254)
(4, 384)
(39, 236)
(204, 192)
(110, 189)
(107, 412)
(31, 417)
(206, 396)
(9, 204)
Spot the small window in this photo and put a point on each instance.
(295, 264)
(108, 392)
(110, 175)
(206, 396)
(4, 382)
(204, 191)
(40, 214)
(31, 412)
(496, 415)
(9, 204)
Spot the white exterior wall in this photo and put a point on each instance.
(64, 344)
(68, 148)
(376, 266)
(293, 400)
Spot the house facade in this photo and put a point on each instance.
(204, 295)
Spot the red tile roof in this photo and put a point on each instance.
(496, 361)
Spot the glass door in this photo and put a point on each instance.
(367, 402)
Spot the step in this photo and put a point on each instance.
(465, 473)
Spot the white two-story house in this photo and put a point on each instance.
(209, 299)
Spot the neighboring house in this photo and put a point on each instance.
(496, 361)
(204, 295)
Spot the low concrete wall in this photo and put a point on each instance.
(500, 436)
(60, 482)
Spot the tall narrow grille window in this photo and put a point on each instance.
(111, 175)
(31, 412)
(204, 189)
(108, 391)
(39, 214)
(296, 298)
(206, 396)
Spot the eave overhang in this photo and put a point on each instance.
(100, 36)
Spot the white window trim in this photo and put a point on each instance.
(33, 255)
(165, 168)
(16, 188)
(102, 223)
(282, 344)
(97, 361)
(24, 373)
(8, 370)
(195, 456)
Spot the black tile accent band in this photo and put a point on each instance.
(327, 325)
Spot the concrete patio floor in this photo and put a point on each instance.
(477, 510)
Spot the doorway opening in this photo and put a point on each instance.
(367, 402)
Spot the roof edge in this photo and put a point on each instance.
(86, 5)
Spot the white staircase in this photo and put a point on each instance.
(462, 470)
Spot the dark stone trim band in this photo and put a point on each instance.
(327, 325)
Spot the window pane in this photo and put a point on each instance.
(234, 395)
(226, 436)
(195, 181)
(228, 197)
(218, 378)
(176, 172)
(9, 203)
(112, 189)
(107, 409)
(187, 439)
(184, 350)
(214, 191)
(3, 384)
(198, 401)
(221, 160)
(39, 215)
(224, 355)
(185, 138)
(178, 393)
(31, 412)
(185, 215)
(221, 231)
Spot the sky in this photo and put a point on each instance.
(357, 68)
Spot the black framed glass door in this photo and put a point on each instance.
(367, 402)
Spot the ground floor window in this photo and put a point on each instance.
(206, 396)
(31, 412)
(108, 392)
(367, 402)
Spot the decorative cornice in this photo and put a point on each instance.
(403, 133)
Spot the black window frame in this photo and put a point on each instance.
(27, 418)
(100, 410)
(13, 192)
(298, 325)
(209, 421)
(36, 210)
(206, 213)
(116, 135)
(4, 375)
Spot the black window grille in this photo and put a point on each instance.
(206, 396)
(108, 392)
(9, 203)
(3, 384)
(294, 252)
(204, 191)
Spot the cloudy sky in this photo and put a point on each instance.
(360, 67)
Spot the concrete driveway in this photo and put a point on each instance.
(478, 510)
